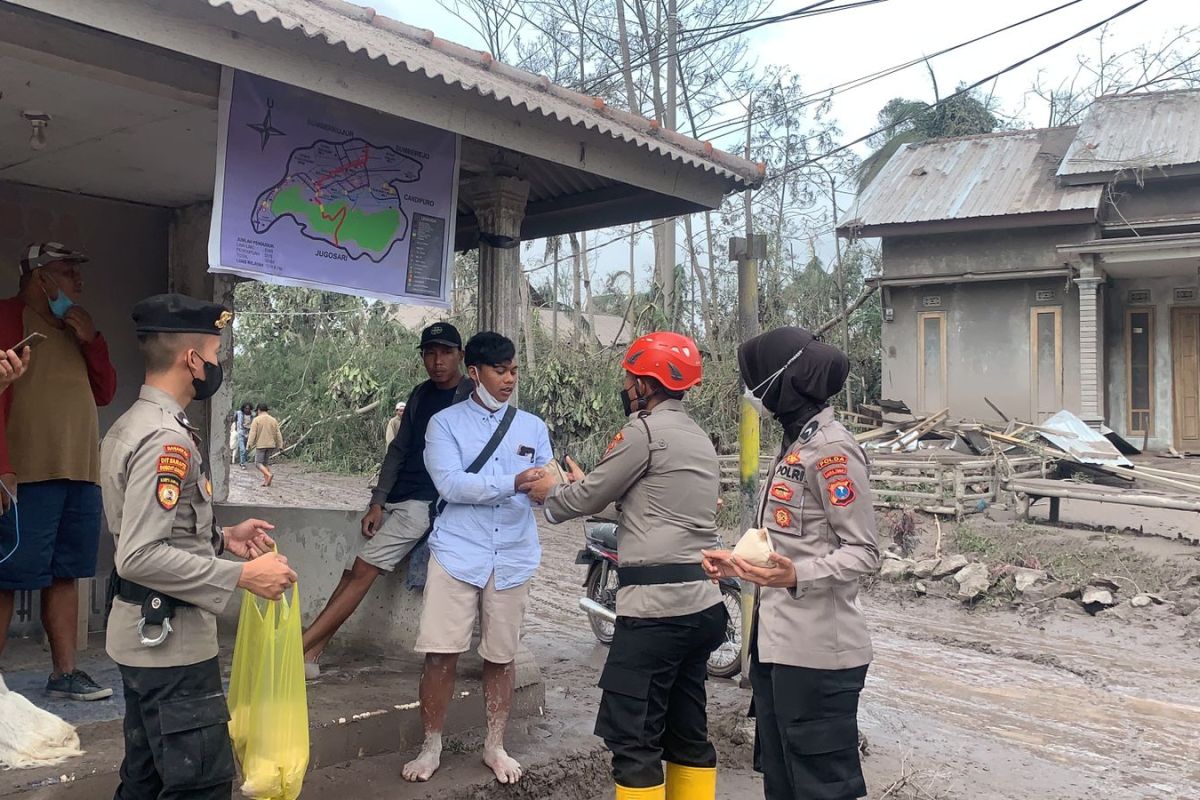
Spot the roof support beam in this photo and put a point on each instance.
(220, 36)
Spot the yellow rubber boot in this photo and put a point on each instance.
(653, 793)
(691, 783)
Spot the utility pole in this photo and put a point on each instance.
(666, 253)
(747, 251)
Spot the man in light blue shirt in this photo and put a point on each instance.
(484, 548)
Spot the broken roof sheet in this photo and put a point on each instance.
(363, 29)
(990, 175)
(1158, 130)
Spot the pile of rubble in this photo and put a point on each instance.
(971, 582)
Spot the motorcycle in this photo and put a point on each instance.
(600, 597)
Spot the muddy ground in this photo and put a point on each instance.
(983, 703)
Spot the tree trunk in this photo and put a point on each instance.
(698, 275)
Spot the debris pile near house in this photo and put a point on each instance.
(956, 467)
(958, 577)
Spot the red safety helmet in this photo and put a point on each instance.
(671, 358)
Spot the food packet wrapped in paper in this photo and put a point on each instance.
(755, 547)
(555, 469)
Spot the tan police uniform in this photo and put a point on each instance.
(167, 587)
(662, 472)
(810, 646)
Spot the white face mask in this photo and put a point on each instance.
(754, 396)
(485, 397)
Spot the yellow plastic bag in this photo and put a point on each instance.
(268, 705)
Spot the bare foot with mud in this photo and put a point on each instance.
(421, 768)
(507, 770)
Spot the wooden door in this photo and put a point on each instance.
(932, 392)
(1045, 362)
(1185, 357)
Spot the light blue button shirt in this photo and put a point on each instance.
(487, 526)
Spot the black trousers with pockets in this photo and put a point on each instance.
(176, 734)
(653, 706)
(806, 731)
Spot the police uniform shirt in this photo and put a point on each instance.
(662, 470)
(817, 506)
(158, 503)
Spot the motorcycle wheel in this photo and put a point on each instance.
(726, 660)
(605, 595)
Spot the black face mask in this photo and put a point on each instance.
(629, 406)
(207, 386)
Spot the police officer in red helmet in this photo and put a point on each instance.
(662, 471)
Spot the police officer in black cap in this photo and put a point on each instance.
(169, 584)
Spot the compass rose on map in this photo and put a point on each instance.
(265, 129)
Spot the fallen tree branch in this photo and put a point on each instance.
(367, 409)
(867, 291)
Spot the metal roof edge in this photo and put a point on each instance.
(492, 78)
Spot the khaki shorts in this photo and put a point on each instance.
(450, 609)
(403, 526)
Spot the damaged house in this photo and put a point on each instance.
(1048, 269)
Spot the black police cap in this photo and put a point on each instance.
(178, 313)
(442, 333)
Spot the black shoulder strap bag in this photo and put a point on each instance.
(419, 556)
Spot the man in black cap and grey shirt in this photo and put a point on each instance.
(402, 501)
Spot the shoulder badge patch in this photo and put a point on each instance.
(792, 459)
(620, 437)
(830, 460)
(167, 492)
(841, 492)
(783, 518)
(781, 491)
(810, 430)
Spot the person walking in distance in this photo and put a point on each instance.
(245, 416)
(484, 548)
(402, 501)
(50, 455)
(662, 472)
(393, 426)
(265, 440)
(809, 645)
(169, 583)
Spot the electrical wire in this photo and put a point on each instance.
(963, 90)
(720, 128)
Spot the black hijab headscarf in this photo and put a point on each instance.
(805, 386)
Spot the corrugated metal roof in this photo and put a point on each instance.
(1136, 131)
(991, 175)
(362, 29)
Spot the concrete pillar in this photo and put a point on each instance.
(1091, 324)
(499, 206)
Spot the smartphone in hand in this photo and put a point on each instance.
(31, 341)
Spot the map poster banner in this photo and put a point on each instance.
(318, 192)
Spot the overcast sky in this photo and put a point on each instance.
(829, 49)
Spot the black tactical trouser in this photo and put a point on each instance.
(176, 734)
(806, 731)
(653, 706)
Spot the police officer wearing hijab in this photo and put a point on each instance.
(809, 646)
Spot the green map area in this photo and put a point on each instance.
(338, 221)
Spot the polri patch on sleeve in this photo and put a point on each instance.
(841, 492)
(620, 437)
(830, 460)
(834, 472)
(177, 450)
(173, 466)
(167, 492)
